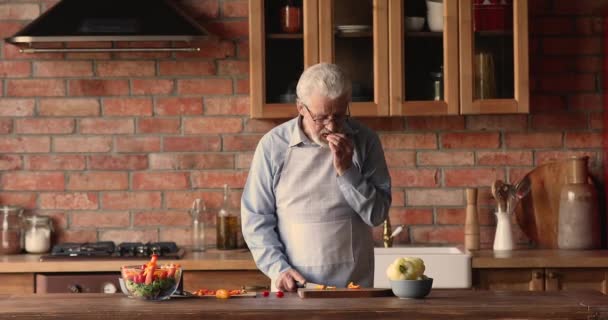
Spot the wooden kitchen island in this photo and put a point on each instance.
(440, 304)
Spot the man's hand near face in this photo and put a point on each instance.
(342, 149)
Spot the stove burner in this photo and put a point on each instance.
(107, 250)
(131, 249)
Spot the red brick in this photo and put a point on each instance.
(217, 179)
(567, 83)
(158, 125)
(549, 156)
(76, 236)
(440, 158)
(553, 25)
(106, 126)
(435, 123)
(14, 11)
(450, 216)
(10, 162)
(573, 45)
(191, 161)
(129, 235)
(127, 107)
(504, 158)
(243, 160)
(44, 126)
(179, 106)
(469, 140)
(63, 69)
(184, 199)
(233, 67)
(547, 103)
(142, 55)
(497, 122)
(145, 87)
(88, 56)
(213, 125)
(89, 44)
(99, 219)
(99, 87)
(101, 180)
(118, 162)
(410, 216)
(261, 125)
(131, 200)
(562, 64)
(399, 159)
(160, 180)
(235, 9)
(35, 88)
(125, 68)
(183, 236)
(201, 9)
(227, 106)
(398, 197)
(205, 86)
(17, 107)
(229, 29)
(33, 181)
(161, 218)
(596, 121)
(436, 234)
(187, 68)
(383, 124)
(586, 102)
(414, 177)
(242, 86)
(199, 143)
(9, 28)
(15, 69)
(213, 48)
(243, 50)
(26, 200)
(560, 121)
(240, 142)
(472, 177)
(409, 141)
(533, 140)
(575, 140)
(56, 162)
(25, 144)
(589, 25)
(137, 144)
(73, 107)
(6, 126)
(82, 144)
(576, 7)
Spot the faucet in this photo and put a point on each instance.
(388, 234)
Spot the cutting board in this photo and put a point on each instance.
(537, 213)
(345, 293)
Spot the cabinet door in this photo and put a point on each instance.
(423, 58)
(576, 279)
(354, 35)
(277, 58)
(494, 56)
(509, 279)
(194, 280)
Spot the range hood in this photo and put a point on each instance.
(109, 20)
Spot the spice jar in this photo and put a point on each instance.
(38, 234)
(290, 18)
(11, 240)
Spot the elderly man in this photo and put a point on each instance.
(317, 185)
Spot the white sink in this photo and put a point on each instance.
(450, 267)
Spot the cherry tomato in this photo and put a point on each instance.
(280, 294)
(265, 293)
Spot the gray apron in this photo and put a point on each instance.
(325, 239)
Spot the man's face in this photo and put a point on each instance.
(324, 116)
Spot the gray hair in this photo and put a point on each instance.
(328, 80)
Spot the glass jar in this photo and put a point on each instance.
(11, 238)
(290, 18)
(38, 234)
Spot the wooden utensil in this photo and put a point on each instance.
(345, 293)
(500, 194)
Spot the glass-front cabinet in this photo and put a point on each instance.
(494, 56)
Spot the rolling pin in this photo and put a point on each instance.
(471, 223)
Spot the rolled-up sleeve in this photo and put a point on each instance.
(258, 214)
(368, 190)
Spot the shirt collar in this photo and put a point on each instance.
(298, 137)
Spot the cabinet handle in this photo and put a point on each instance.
(552, 275)
(537, 275)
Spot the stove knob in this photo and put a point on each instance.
(109, 287)
(75, 288)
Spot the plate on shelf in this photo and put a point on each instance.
(354, 28)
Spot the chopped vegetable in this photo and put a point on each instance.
(222, 294)
(351, 285)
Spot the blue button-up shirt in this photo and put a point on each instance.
(366, 186)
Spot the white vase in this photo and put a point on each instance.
(503, 240)
(435, 15)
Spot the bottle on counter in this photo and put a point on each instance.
(38, 231)
(11, 236)
(198, 225)
(227, 224)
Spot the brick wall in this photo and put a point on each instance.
(117, 146)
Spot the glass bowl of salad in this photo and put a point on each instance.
(151, 281)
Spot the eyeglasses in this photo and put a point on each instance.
(325, 120)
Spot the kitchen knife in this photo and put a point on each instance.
(310, 285)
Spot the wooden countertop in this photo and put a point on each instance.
(208, 260)
(440, 304)
(539, 259)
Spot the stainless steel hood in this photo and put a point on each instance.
(110, 20)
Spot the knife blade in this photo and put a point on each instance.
(309, 285)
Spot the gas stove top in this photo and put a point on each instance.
(108, 250)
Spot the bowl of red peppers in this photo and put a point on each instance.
(151, 281)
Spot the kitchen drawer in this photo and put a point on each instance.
(16, 283)
(194, 280)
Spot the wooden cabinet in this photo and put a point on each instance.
(194, 280)
(541, 279)
(395, 70)
(15, 283)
